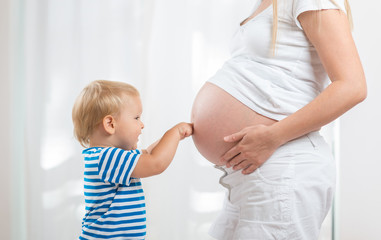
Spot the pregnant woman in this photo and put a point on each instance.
(258, 118)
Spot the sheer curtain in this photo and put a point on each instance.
(167, 49)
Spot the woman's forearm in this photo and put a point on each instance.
(336, 99)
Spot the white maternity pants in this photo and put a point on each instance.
(287, 198)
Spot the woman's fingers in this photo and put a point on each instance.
(235, 161)
(250, 169)
(240, 164)
(234, 151)
(235, 137)
(231, 156)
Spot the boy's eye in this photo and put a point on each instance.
(137, 118)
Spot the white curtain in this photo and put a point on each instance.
(167, 49)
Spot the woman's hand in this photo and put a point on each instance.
(255, 144)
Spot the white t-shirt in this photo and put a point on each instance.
(275, 85)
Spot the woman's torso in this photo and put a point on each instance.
(255, 86)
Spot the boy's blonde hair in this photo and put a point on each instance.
(97, 100)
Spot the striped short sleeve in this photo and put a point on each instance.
(116, 165)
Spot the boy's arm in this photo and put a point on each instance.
(152, 146)
(159, 155)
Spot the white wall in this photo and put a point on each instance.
(360, 190)
(5, 211)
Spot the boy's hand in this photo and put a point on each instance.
(185, 129)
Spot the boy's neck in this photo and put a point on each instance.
(100, 142)
(99, 145)
(99, 138)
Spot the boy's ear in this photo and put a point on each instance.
(109, 124)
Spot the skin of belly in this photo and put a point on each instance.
(216, 114)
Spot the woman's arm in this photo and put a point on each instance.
(330, 33)
(157, 158)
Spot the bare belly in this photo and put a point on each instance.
(216, 114)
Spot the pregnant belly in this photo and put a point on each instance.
(216, 114)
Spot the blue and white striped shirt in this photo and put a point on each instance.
(115, 203)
